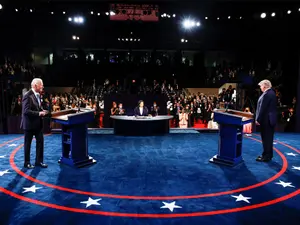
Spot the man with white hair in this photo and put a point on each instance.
(32, 123)
(266, 118)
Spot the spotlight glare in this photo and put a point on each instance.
(229, 17)
(30, 10)
(187, 24)
(289, 12)
(16, 10)
(1, 7)
(64, 12)
(263, 15)
(174, 15)
(52, 13)
(273, 14)
(98, 14)
(218, 18)
(206, 18)
(74, 37)
(92, 12)
(107, 13)
(241, 17)
(182, 40)
(70, 19)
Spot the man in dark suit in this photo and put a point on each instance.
(32, 123)
(141, 109)
(266, 118)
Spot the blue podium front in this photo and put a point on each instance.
(231, 124)
(74, 136)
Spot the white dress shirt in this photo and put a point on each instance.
(141, 111)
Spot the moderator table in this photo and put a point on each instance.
(141, 126)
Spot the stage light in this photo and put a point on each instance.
(139, 39)
(98, 14)
(74, 37)
(52, 13)
(182, 40)
(78, 20)
(241, 17)
(174, 15)
(112, 13)
(206, 18)
(263, 15)
(70, 19)
(229, 17)
(30, 10)
(273, 14)
(92, 12)
(299, 9)
(188, 24)
(218, 18)
(1, 7)
(64, 12)
(107, 13)
(289, 12)
(16, 10)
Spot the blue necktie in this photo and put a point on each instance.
(38, 98)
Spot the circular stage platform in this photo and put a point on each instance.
(151, 177)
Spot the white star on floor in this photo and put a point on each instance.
(171, 206)
(292, 154)
(285, 184)
(91, 201)
(2, 156)
(240, 197)
(296, 168)
(12, 145)
(3, 172)
(31, 189)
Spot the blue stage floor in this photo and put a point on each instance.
(152, 181)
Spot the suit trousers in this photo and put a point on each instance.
(267, 136)
(39, 136)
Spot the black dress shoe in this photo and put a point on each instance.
(259, 158)
(28, 166)
(43, 165)
(263, 159)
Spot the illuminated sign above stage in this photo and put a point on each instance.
(138, 12)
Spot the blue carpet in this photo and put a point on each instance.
(137, 177)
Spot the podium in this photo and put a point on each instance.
(230, 136)
(74, 136)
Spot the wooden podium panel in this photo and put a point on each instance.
(74, 136)
(230, 135)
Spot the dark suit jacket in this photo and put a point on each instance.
(266, 112)
(30, 112)
(137, 111)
